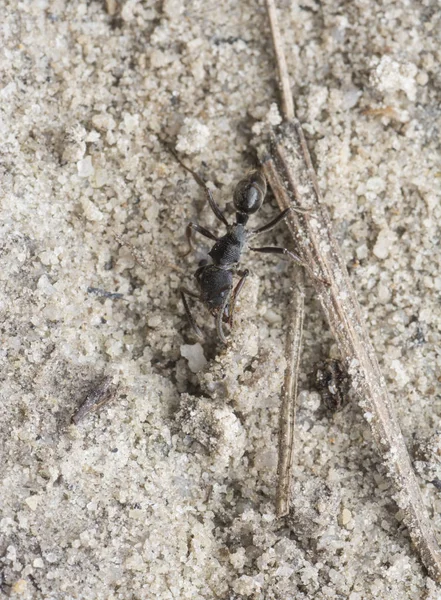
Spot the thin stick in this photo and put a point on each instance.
(285, 88)
(288, 168)
(102, 392)
(293, 345)
(287, 419)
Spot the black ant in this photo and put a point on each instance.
(215, 280)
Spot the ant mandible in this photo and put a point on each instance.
(215, 280)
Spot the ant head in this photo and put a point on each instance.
(250, 192)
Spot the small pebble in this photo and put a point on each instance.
(345, 517)
(154, 321)
(271, 316)
(33, 501)
(85, 167)
(38, 563)
(194, 353)
(19, 586)
(193, 136)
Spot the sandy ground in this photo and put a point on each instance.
(167, 492)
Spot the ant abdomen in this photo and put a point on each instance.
(216, 283)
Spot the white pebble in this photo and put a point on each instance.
(173, 8)
(309, 400)
(399, 373)
(33, 501)
(154, 321)
(345, 517)
(384, 293)
(273, 116)
(385, 240)
(131, 122)
(194, 353)
(350, 98)
(38, 563)
(45, 286)
(392, 76)
(375, 184)
(271, 316)
(51, 557)
(193, 136)
(85, 167)
(103, 122)
(362, 252)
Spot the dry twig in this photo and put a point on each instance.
(287, 420)
(288, 168)
(293, 346)
(103, 391)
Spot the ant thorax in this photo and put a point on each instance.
(228, 249)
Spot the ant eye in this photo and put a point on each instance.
(249, 193)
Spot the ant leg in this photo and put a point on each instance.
(292, 256)
(276, 221)
(211, 201)
(220, 314)
(199, 229)
(234, 296)
(270, 225)
(186, 292)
